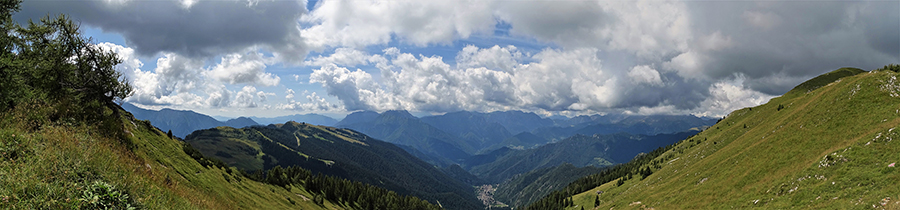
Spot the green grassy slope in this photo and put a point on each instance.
(826, 144)
(64, 166)
(336, 152)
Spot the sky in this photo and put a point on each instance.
(579, 57)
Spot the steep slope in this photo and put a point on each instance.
(124, 162)
(400, 127)
(826, 144)
(314, 119)
(579, 150)
(333, 151)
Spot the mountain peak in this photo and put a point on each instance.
(398, 113)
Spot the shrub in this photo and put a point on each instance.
(101, 195)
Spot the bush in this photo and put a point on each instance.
(101, 195)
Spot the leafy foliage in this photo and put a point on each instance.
(890, 67)
(50, 62)
(101, 195)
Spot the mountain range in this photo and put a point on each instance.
(336, 152)
(183, 122)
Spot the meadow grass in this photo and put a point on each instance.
(825, 148)
(76, 166)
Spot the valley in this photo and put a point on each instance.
(457, 105)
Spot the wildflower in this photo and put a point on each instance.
(891, 165)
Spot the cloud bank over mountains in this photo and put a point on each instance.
(638, 57)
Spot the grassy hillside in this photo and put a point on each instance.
(69, 165)
(826, 144)
(336, 152)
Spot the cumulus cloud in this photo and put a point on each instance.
(314, 103)
(181, 81)
(557, 80)
(245, 97)
(369, 22)
(729, 95)
(355, 89)
(345, 57)
(496, 57)
(646, 75)
(289, 94)
(243, 69)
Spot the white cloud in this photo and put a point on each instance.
(688, 65)
(345, 57)
(314, 103)
(495, 58)
(558, 80)
(561, 80)
(643, 74)
(289, 94)
(729, 95)
(248, 68)
(355, 89)
(245, 98)
(263, 95)
(369, 22)
(183, 81)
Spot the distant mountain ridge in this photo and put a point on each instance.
(183, 122)
(315, 119)
(400, 127)
(578, 150)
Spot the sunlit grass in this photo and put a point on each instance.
(826, 148)
(51, 166)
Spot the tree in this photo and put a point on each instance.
(169, 134)
(49, 61)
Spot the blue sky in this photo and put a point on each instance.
(273, 58)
